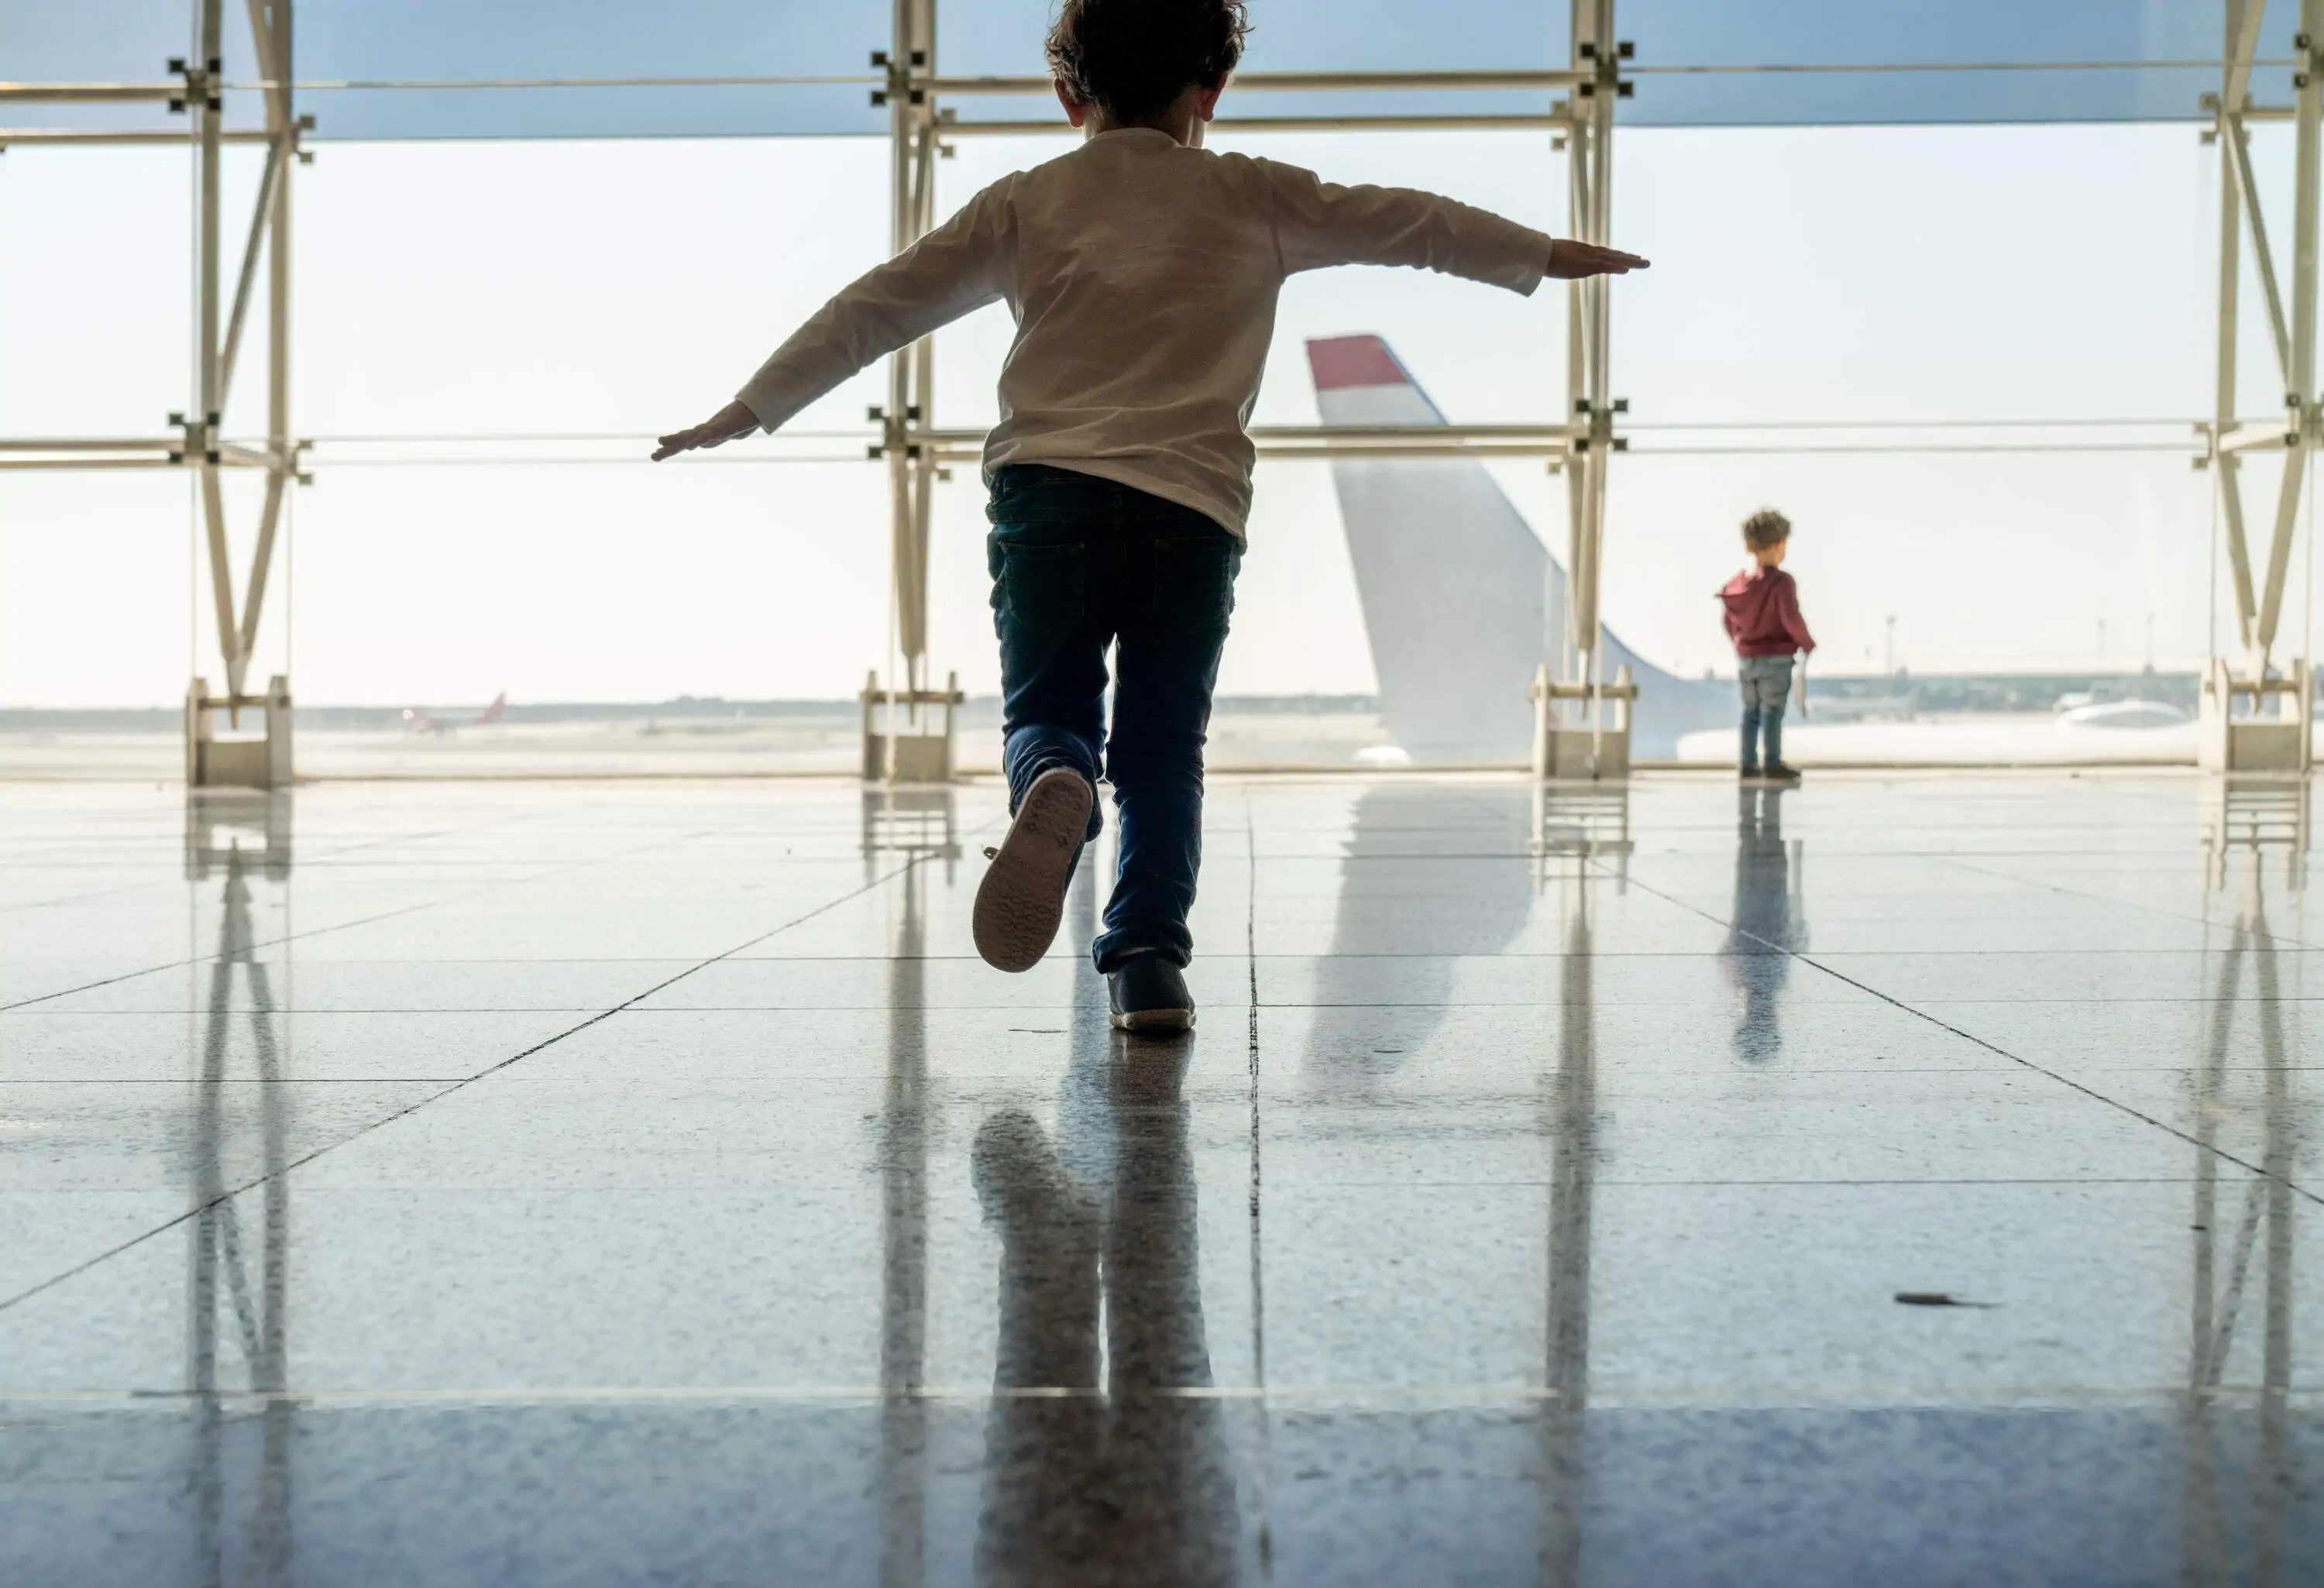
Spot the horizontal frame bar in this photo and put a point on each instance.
(1277, 82)
(136, 456)
(96, 444)
(1264, 82)
(1409, 439)
(36, 137)
(87, 463)
(1451, 436)
(1278, 451)
(1555, 122)
(1840, 69)
(93, 93)
(1275, 452)
(971, 451)
(2250, 436)
(237, 455)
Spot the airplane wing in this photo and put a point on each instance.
(1461, 601)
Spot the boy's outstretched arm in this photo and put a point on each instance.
(1320, 224)
(951, 272)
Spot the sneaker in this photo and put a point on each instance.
(1748, 772)
(1150, 996)
(1782, 773)
(1022, 897)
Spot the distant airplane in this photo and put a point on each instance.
(1461, 601)
(420, 720)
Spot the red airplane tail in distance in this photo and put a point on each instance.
(420, 720)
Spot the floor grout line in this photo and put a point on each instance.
(478, 893)
(2063, 1080)
(226, 1196)
(326, 857)
(1261, 1496)
(2275, 938)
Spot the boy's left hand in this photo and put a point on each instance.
(1570, 261)
(720, 428)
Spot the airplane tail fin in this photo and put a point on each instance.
(1461, 601)
(494, 713)
(1452, 580)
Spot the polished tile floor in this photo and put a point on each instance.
(1896, 1181)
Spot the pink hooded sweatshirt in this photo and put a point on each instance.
(1763, 614)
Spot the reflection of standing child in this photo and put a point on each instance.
(1766, 927)
(1763, 619)
(1142, 271)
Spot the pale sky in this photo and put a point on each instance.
(456, 290)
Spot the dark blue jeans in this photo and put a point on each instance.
(1079, 565)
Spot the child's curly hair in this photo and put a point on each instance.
(1133, 58)
(1766, 528)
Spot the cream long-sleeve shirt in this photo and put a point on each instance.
(1143, 277)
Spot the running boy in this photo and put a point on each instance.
(1763, 619)
(1142, 273)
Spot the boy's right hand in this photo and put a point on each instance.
(728, 423)
(1570, 262)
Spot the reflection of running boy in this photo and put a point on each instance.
(1763, 619)
(1142, 273)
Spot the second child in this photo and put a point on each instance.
(1764, 621)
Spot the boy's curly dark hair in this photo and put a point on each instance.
(1766, 528)
(1133, 58)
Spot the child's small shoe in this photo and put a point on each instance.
(1022, 898)
(1150, 996)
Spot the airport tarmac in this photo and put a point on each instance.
(809, 741)
(1909, 1178)
(824, 741)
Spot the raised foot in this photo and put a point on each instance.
(1022, 898)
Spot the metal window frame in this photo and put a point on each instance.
(923, 130)
(198, 92)
(2245, 684)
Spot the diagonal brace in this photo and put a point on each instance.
(2237, 145)
(2279, 553)
(2228, 467)
(2308, 165)
(261, 214)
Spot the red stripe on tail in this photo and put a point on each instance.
(1340, 362)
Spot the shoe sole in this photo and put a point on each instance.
(1022, 898)
(1155, 1022)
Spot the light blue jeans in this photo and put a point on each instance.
(1766, 683)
